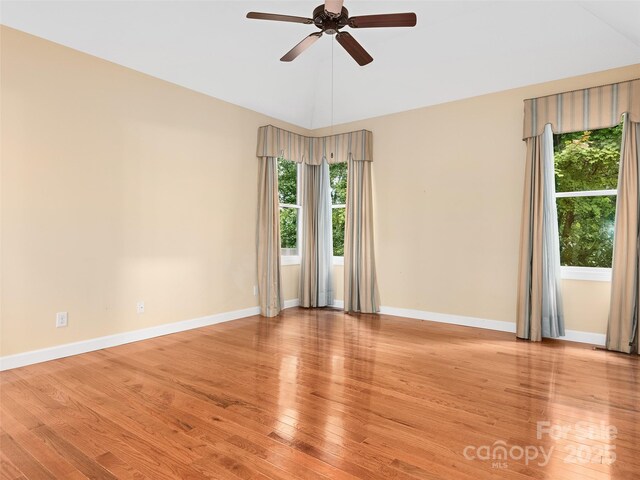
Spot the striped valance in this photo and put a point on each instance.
(588, 109)
(276, 142)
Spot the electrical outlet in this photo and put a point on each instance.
(61, 319)
(140, 307)
(255, 290)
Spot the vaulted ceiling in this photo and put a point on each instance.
(457, 50)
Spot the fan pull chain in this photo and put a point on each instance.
(333, 41)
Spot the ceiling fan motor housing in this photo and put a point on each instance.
(329, 23)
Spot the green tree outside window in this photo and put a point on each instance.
(289, 206)
(338, 183)
(587, 162)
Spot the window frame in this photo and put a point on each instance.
(338, 260)
(592, 274)
(296, 259)
(293, 259)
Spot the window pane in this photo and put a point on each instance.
(287, 181)
(338, 178)
(289, 230)
(338, 231)
(587, 160)
(586, 230)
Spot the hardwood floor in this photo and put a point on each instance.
(317, 394)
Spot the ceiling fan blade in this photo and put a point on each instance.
(333, 7)
(301, 47)
(354, 49)
(279, 18)
(385, 20)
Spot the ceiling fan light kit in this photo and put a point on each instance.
(330, 18)
(333, 7)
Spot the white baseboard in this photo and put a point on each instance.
(44, 355)
(452, 319)
(585, 337)
(66, 350)
(291, 303)
(570, 335)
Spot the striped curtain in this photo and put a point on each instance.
(539, 308)
(624, 329)
(356, 148)
(268, 238)
(280, 143)
(588, 109)
(360, 282)
(316, 279)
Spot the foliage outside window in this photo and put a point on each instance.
(289, 206)
(338, 183)
(586, 171)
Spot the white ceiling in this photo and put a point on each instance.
(457, 50)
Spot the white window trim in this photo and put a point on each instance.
(338, 260)
(592, 274)
(290, 260)
(587, 193)
(294, 259)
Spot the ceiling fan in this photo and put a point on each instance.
(330, 18)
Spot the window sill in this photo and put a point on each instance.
(592, 274)
(295, 260)
(290, 260)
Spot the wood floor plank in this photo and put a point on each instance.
(317, 394)
(22, 459)
(57, 464)
(119, 468)
(8, 471)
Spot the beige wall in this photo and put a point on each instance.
(448, 192)
(290, 277)
(118, 187)
(586, 305)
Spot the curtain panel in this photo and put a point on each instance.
(316, 279)
(588, 109)
(539, 305)
(280, 143)
(624, 329)
(360, 281)
(268, 239)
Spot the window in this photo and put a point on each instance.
(586, 171)
(338, 183)
(289, 182)
(290, 215)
